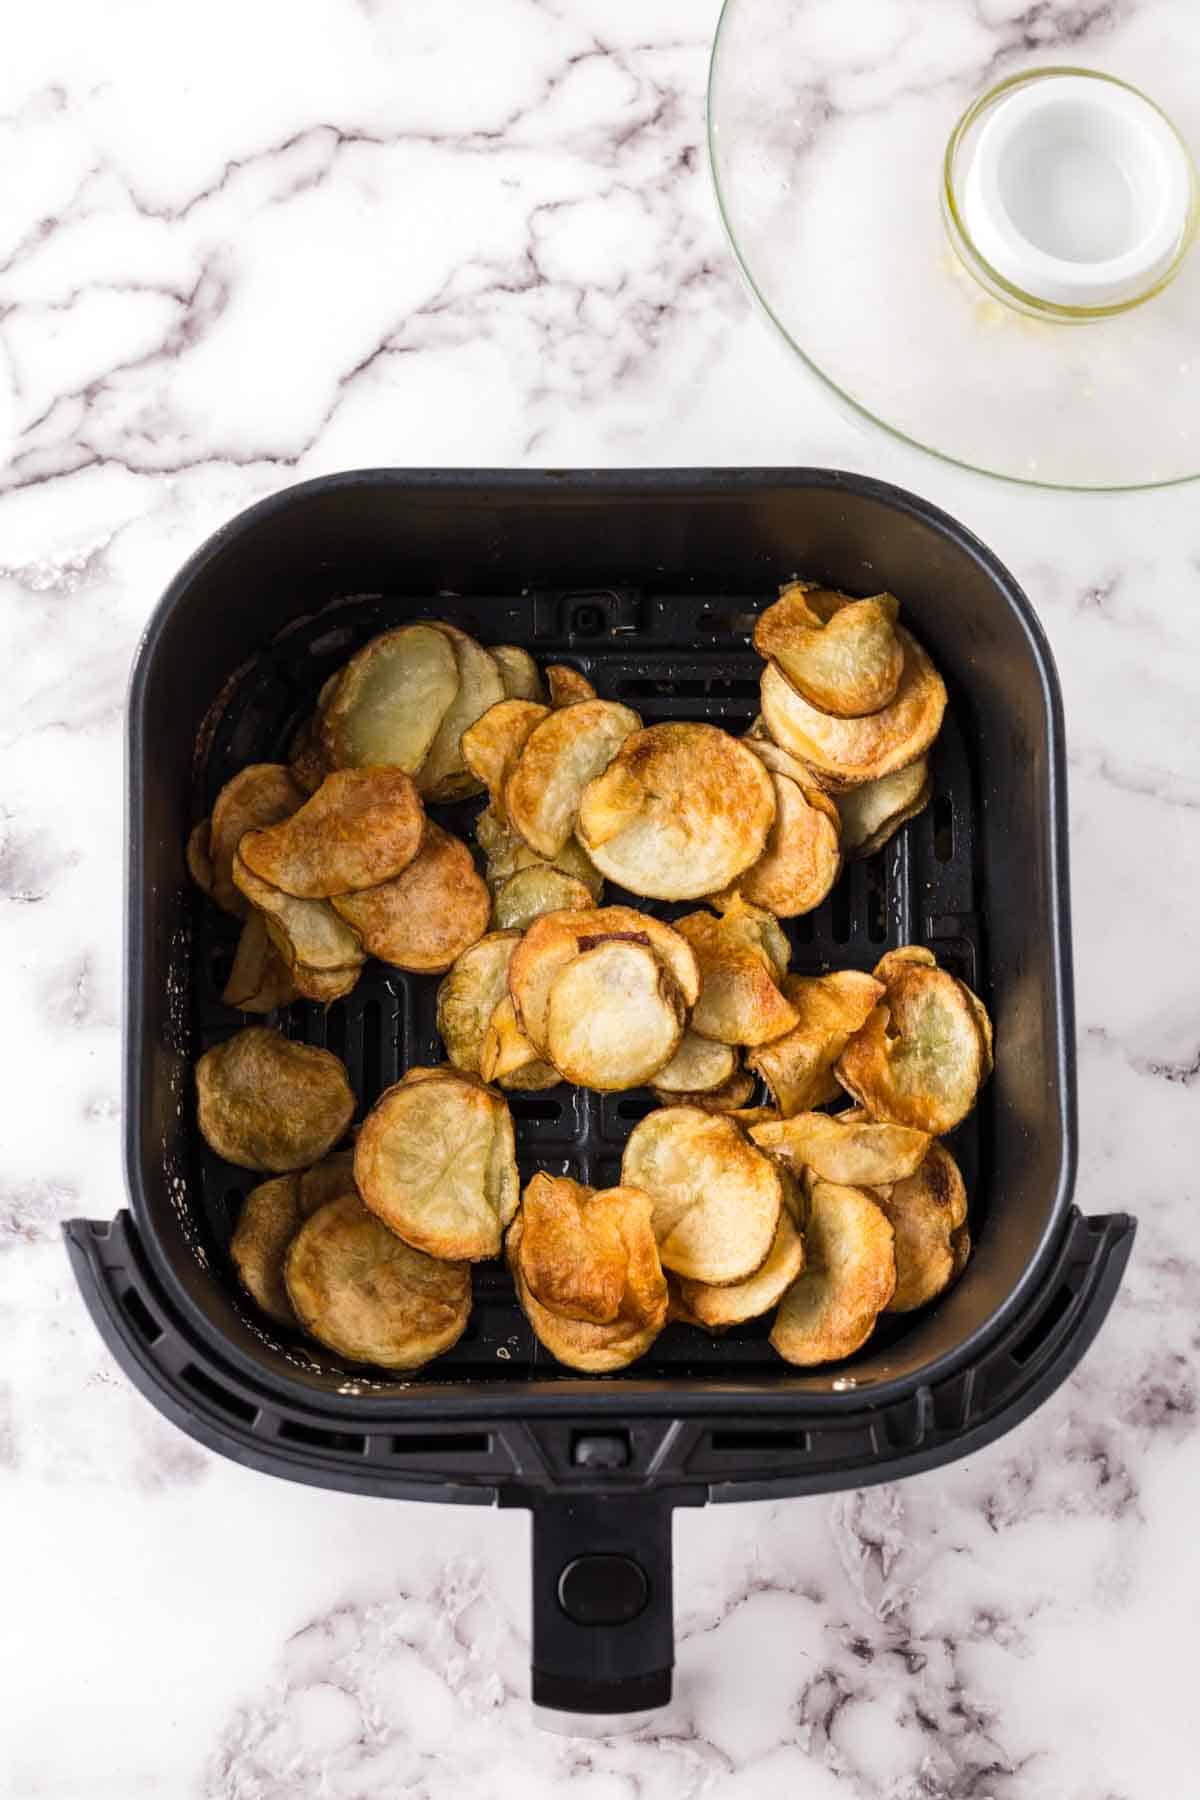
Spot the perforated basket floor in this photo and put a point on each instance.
(669, 657)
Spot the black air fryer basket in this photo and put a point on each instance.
(648, 582)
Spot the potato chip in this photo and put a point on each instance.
(802, 856)
(261, 795)
(306, 758)
(778, 761)
(259, 981)
(853, 1152)
(468, 996)
(491, 746)
(716, 1198)
(843, 656)
(199, 856)
(536, 890)
(560, 757)
(507, 855)
(434, 1161)
(849, 1277)
(557, 938)
(266, 1103)
(430, 912)
(699, 1065)
(730, 1098)
(928, 1213)
(919, 1059)
(444, 775)
(367, 1295)
(360, 828)
(327, 1180)
(874, 812)
(518, 672)
(848, 751)
(269, 1220)
(680, 811)
(741, 957)
(798, 1068)
(508, 1058)
(715, 1308)
(323, 956)
(614, 1017)
(568, 686)
(390, 699)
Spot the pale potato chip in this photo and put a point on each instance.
(729, 1098)
(428, 915)
(360, 828)
(367, 1295)
(846, 1150)
(557, 938)
(920, 1057)
(269, 1220)
(260, 795)
(323, 956)
(535, 890)
(739, 959)
(798, 1068)
(491, 746)
(468, 996)
(434, 1161)
(716, 1308)
(266, 1103)
(390, 699)
(518, 672)
(848, 1279)
(560, 757)
(874, 812)
(614, 1017)
(568, 686)
(843, 657)
(716, 1198)
(846, 752)
(327, 1180)
(680, 811)
(802, 857)
(928, 1213)
(444, 776)
(507, 854)
(778, 761)
(699, 1065)
(259, 981)
(508, 1058)
(199, 856)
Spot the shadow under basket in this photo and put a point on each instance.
(649, 582)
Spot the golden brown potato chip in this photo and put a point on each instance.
(557, 938)
(614, 1017)
(518, 672)
(567, 686)
(327, 1180)
(844, 658)
(699, 1065)
(269, 1220)
(444, 776)
(262, 794)
(434, 1161)
(266, 1103)
(715, 1308)
(533, 891)
(739, 956)
(919, 1059)
(928, 1213)
(848, 751)
(748, 1116)
(680, 811)
(780, 762)
(427, 915)
(874, 812)
(853, 1152)
(362, 1291)
(560, 757)
(259, 981)
(798, 1068)
(730, 1098)
(491, 746)
(361, 827)
(323, 956)
(848, 1279)
(470, 994)
(199, 856)
(802, 857)
(306, 759)
(716, 1198)
(390, 699)
(507, 1056)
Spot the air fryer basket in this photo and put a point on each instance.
(649, 583)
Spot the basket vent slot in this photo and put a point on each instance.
(443, 1443)
(1033, 1340)
(144, 1322)
(322, 1438)
(943, 828)
(759, 1438)
(218, 1394)
(534, 1106)
(636, 1106)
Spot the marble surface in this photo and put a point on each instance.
(241, 245)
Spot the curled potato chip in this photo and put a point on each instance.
(361, 827)
(560, 757)
(259, 981)
(428, 914)
(507, 854)
(390, 699)
(857, 1153)
(434, 1160)
(491, 746)
(730, 1098)
(260, 795)
(568, 686)
(699, 1065)
(557, 938)
(716, 1198)
(848, 1279)
(928, 1213)
(715, 1308)
(739, 956)
(444, 775)
(469, 995)
(269, 1220)
(327, 1180)
(919, 1059)
(518, 672)
(680, 811)
(848, 751)
(323, 956)
(802, 856)
(507, 1056)
(874, 812)
(266, 1103)
(842, 656)
(798, 1068)
(779, 761)
(614, 1017)
(368, 1295)
(199, 856)
(538, 889)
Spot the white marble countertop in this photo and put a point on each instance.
(244, 244)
